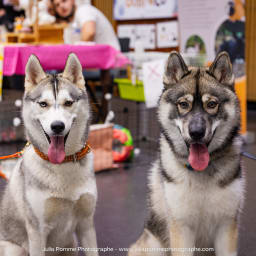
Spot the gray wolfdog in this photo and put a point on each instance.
(52, 191)
(196, 185)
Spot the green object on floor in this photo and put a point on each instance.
(128, 91)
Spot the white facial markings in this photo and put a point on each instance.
(230, 109)
(210, 104)
(189, 97)
(172, 126)
(164, 111)
(185, 103)
(215, 124)
(56, 111)
(206, 97)
(63, 96)
(179, 123)
(47, 96)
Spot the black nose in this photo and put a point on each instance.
(197, 128)
(57, 127)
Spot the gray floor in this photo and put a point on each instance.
(121, 208)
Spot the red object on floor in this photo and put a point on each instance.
(2, 175)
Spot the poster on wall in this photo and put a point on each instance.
(144, 33)
(127, 31)
(208, 27)
(144, 9)
(167, 34)
(153, 81)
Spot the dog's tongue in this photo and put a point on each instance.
(56, 151)
(198, 156)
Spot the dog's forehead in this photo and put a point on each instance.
(47, 94)
(199, 82)
(43, 89)
(55, 88)
(68, 90)
(65, 93)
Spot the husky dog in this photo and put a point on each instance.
(196, 185)
(47, 201)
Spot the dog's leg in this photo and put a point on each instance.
(226, 239)
(147, 245)
(182, 239)
(86, 235)
(11, 249)
(37, 241)
(85, 228)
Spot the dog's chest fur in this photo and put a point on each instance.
(55, 210)
(196, 200)
(191, 198)
(59, 196)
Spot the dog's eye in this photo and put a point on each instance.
(183, 104)
(68, 103)
(212, 104)
(43, 104)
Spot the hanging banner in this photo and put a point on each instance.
(208, 27)
(144, 9)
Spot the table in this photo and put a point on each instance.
(53, 57)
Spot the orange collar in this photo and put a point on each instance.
(71, 158)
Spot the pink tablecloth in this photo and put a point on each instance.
(53, 57)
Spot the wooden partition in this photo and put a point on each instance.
(106, 6)
(250, 37)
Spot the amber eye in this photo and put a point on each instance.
(43, 104)
(183, 104)
(68, 103)
(212, 104)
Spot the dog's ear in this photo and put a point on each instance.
(73, 71)
(175, 69)
(34, 72)
(221, 69)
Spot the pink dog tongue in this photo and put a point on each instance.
(198, 157)
(56, 151)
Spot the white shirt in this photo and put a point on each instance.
(104, 31)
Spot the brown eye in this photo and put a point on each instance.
(212, 104)
(183, 105)
(68, 103)
(43, 104)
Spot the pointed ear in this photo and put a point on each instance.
(34, 72)
(73, 71)
(175, 69)
(221, 69)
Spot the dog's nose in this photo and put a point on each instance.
(197, 128)
(57, 127)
